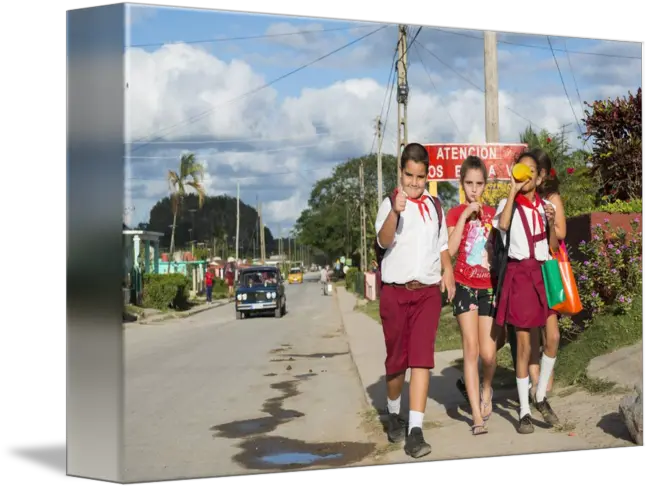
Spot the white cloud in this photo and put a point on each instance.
(170, 87)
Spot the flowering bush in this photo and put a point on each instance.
(610, 275)
(494, 192)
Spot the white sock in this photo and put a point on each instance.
(415, 419)
(547, 366)
(523, 395)
(394, 405)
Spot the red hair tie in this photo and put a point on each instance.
(553, 172)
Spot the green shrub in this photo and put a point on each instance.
(609, 279)
(351, 278)
(166, 291)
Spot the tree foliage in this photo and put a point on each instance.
(213, 224)
(332, 221)
(615, 127)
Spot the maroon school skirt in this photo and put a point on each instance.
(522, 302)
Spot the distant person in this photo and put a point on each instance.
(208, 280)
(229, 277)
(416, 268)
(325, 276)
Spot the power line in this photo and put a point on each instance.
(602, 54)
(574, 78)
(242, 140)
(564, 88)
(259, 151)
(256, 90)
(475, 85)
(251, 37)
(438, 92)
(383, 105)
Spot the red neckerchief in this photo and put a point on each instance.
(523, 201)
(420, 204)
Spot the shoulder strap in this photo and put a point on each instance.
(438, 208)
(507, 236)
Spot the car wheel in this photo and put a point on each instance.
(278, 313)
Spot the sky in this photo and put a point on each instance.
(247, 94)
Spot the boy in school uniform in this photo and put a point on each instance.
(415, 270)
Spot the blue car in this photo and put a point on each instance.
(260, 289)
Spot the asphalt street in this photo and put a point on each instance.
(210, 395)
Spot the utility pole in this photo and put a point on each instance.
(262, 235)
(402, 97)
(380, 180)
(492, 128)
(363, 217)
(237, 227)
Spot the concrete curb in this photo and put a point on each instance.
(160, 318)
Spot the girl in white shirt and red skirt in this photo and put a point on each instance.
(522, 302)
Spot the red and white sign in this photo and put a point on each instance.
(446, 159)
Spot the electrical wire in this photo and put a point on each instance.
(564, 87)
(475, 85)
(574, 78)
(601, 54)
(251, 37)
(438, 93)
(253, 91)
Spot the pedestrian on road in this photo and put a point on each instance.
(229, 276)
(416, 268)
(470, 240)
(325, 277)
(208, 280)
(522, 302)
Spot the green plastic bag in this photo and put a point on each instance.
(553, 283)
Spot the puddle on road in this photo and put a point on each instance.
(306, 375)
(272, 406)
(288, 454)
(270, 374)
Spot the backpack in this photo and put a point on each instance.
(380, 252)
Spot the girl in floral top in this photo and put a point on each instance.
(469, 227)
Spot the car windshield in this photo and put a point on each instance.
(295, 270)
(255, 279)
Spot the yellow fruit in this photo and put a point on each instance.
(521, 172)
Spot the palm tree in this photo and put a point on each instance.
(188, 168)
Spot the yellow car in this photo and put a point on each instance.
(295, 276)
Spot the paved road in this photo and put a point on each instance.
(212, 396)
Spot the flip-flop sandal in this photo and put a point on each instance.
(480, 429)
(486, 405)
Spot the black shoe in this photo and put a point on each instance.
(396, 427)
(462, 388)
(416, 446)
(526, 426)
(546, 411)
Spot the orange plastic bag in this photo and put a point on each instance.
(571, 306)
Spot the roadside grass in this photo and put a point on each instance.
(606, 333)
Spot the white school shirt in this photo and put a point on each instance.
(415, 251)
(518, 244)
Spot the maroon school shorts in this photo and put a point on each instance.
(409, 321)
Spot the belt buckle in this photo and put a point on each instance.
(407, 286)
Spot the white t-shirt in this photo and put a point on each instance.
(323, 275)
(415, 251)
(518, 244)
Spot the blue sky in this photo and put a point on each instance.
(192, 92)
